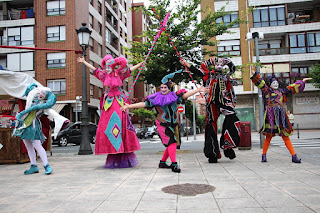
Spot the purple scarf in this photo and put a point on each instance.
(157, 99)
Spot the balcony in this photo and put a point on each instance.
(274, 51)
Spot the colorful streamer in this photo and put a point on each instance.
(177, 52)
(37, 48)
(161, 29)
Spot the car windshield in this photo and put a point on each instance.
(150, 129)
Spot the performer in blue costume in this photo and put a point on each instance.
(29, 128)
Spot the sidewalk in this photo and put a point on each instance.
(80, 184)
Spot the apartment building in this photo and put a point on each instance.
(291, 45)
(51, 24)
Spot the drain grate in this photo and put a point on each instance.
(188, 189)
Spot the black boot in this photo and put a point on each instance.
(175, 167)
(164, 165)
(213, 160)
(229, 153)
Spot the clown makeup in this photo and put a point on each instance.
(218, 66)
(164, 89)
(274, 84)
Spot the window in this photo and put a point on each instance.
(57, 7)
(56, 60)
(227, 19)
(120, 15)
(20, 61)
(125, 5)
(91, 21)
(91, 43)
(297, 43)
(108, 36)
(91, 90)
(269, 16)
(99, 28)
(57, 86)
(99, 50)
(20, 36)
(125, 21)
(91, 2)
(99, 8)
(100, 92)
(313, 42)
(56, 33)
(230, 47)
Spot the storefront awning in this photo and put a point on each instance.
(58, 107)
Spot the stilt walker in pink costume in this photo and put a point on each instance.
(165, 103)
(115, 134)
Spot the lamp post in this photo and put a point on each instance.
(194, 116)
(85, 147)
(77, 100)
(256, 36)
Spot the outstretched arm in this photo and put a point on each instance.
(185, 63)
(133, 106)
(81, 60)
(192, 92)
(306, 79)
(134, 67)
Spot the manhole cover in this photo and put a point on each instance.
(188, 189)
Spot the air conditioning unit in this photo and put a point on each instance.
(291, 15)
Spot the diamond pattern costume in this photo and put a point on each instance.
(115, 134)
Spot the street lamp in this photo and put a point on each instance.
(85, 147)
(256, 36)
(77, 100)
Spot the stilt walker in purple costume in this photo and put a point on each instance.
(166, 102)
(276, 121)
(115, 134)
(221, 99)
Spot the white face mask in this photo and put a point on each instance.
(274, 85)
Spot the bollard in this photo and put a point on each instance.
(298, 130)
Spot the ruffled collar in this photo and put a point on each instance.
(157, 99)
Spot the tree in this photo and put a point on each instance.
(144, 113)
(315, 75)
(201, 121)
(186, 31)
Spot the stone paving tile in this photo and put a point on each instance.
(243, 210)
(238, 203)
(295, 209)
(278, 202)
(76, 206)
(118, 205)
(156, 205)
(196, 204)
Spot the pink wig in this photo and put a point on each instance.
(113, 63)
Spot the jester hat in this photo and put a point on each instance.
(165, 80)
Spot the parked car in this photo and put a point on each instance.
(72, 134)
(140, 132)
(151, 131)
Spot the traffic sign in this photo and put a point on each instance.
(181, 109)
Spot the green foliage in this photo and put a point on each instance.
(188, 34)
(145, 113)
(201, 121)
(315, 75)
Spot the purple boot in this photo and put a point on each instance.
(264, 158)
(295, 159)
